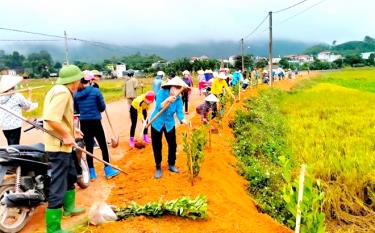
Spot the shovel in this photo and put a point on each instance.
(59, 138)
(139, 144)
(115, 138)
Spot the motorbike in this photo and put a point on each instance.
(24, 182)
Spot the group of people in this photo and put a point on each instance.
(77, 94)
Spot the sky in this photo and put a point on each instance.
(170, 22)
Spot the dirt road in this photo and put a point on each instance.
(231, 209)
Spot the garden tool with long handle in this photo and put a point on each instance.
(115, 138)
(139, 143)
(164, 108)
(59, 138)
(20, 90)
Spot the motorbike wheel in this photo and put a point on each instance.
(83, 181)
(12, 219)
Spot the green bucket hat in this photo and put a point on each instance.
(69, 74)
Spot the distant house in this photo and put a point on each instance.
(328, 56)
(201, 58)
(366, 55)
(120, 69)
(232, 59)
(300, 58)
(276, 60)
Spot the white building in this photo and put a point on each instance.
(366, 55)
(120, 69)
(300, 58)
(328, 56)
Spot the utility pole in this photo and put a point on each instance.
(66, 49)
(270, 50)
(243, 63)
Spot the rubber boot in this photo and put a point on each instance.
(92, 173)
(172, 168)
(131, 143)
(146, 139)
(158, 172)
(69, 204)
(110, 172)
(53, 221)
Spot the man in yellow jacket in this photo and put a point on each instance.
(139, 109)
(219, 87)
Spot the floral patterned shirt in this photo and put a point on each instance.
(16, 103)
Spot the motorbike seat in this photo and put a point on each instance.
(30, 148)
(35, 152)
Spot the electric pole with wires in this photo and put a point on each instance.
(243, 63)
(66, 49)
(270, 50)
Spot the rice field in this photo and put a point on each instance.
(112, 90)
(331, 128)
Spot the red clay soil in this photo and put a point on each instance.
(230, 208)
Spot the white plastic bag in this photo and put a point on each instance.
(100, 213)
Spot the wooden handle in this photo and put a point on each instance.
(109, 122)
(21, 90)
(58, 137)
(164, 108)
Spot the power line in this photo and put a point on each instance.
(289, 7)
(256, 28)
(301, 12)
(26, 40)
(93, 43)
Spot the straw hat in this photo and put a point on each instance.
(176, 81)
(8, 82)
(222, 76)
(211, 98)
(210, 71)
(200, 72)
(161, 73)
(186, 72)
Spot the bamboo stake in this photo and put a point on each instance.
(191, 157)
(300, 197)
(59, 138)
(21, 90)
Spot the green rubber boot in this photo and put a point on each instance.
(69, 204)
(53, 221)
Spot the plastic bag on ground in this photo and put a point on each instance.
(101, 213)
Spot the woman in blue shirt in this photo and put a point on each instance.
(165, 123)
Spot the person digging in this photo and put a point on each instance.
(58, 119)
(138, 109)
(89, 103)
(169, 103)
(219, 88)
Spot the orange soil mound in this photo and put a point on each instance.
(230, 207)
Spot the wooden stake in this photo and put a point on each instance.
(300, 197)
(21, 90)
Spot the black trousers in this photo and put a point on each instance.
(93, 129)
(63, 177)
(157, 145)
(185, 100)
(13, 136)
(134, 118)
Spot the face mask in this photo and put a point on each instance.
(174, 90)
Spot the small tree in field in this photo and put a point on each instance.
(194, 144)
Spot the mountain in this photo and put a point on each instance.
(214, 49)
(347, 48)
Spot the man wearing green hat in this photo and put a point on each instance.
(58, 118)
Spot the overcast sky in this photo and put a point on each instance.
(169, 22)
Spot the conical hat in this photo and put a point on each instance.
(200, 72)
(211, 98)
(8, 82)
(176, 81)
